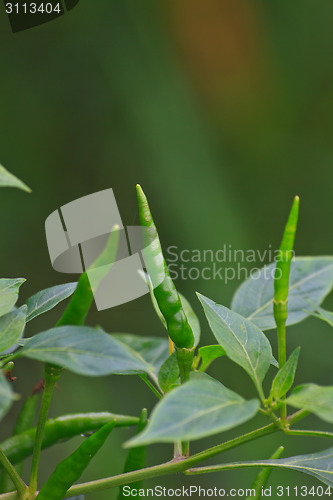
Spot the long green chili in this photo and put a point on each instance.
(165, 292)
(69, 470)
(57, 430)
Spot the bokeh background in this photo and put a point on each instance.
(222, 110)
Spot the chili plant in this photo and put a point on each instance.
(190, 404)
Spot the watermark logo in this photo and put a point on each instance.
(80, 238)
(224, 264)
(26, 14)
(79, 232)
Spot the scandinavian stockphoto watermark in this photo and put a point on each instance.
(224, 264)
(79, 232)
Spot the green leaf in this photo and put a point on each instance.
(208, 353)
(284, 378)
(319, 465)
(169, 373)
(311, 279)
(192, 319)
(11, 327)
(47, 299)
(9, 290)
(314, 398)
(323, 315)
(274, 362)
(242, 341)
(153, 351)
(198, 408)
(6, 396)
(9, 180)
(190, 314)
(84, 350)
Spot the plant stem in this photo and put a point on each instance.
(297, 416)
(173, 466)
(280, 315)
(151, 386)
(51, 376)
(185, 361)
(169, 467)
(12, 473)
(309, 433)
(177, 450)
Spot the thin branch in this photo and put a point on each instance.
(151, 386)
(168, 467)
(322, 434)
(12, 473)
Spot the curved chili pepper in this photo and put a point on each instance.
(59, 429)
(69, 470)
(281, 283)
(165, 292)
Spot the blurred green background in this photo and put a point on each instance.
(222, 110)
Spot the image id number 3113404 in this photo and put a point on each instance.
(299, 491)
(33, 8)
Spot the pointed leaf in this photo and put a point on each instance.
(324, 315)
(6, 396)
(9, 290)
(84, 350)
(46, 299)
(274, 362)
(198, 408)
(311, 279)
(314, 398)
(208, 353)
(169, 373)
(284, 379)
(154, 351)
(192, 319)
(243, 342)
(11, 327)
(9, 180)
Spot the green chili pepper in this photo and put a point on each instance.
(281, 282)
(281, 289)
(69, 470)
(136, 457)
(81, 300)
(19, 447)
(165, 292)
